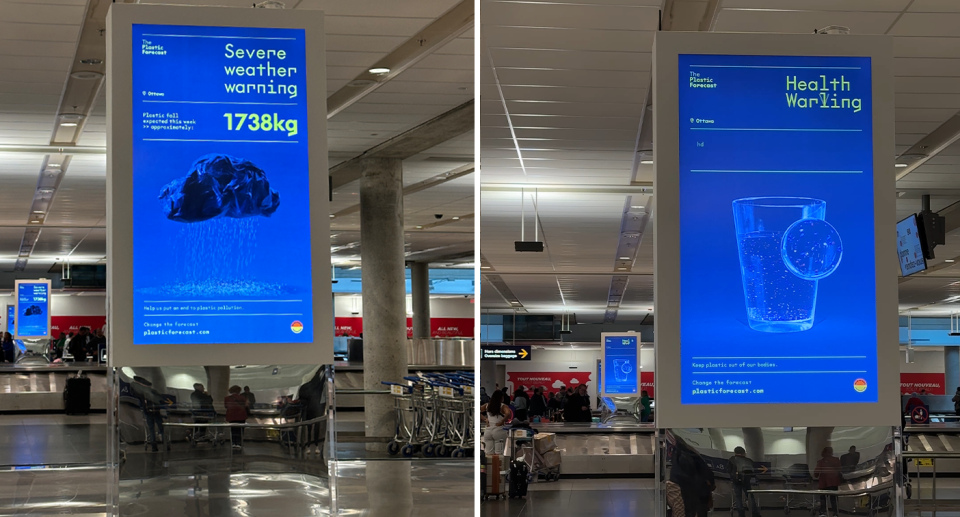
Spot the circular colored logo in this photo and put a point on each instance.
(297, 328)
(860, 385)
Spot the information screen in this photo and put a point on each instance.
(33, 309)
(221, 223)
(620, 368)
(11, 318)
(777, 266)
(909, 248)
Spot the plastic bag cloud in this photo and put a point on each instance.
(219, 185)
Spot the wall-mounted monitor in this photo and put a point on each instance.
(910, 247)
(32, 309)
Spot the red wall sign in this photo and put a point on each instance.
(552, 380)
(646, 383)
(70, 324)
(439, 327)
(934, 383)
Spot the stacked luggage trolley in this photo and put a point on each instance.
(434, 415)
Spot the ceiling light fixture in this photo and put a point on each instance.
(637, 207)
(484, 267)
(622, 268)
(379, 70)
(948, 260)
(456, 218)
(901, 166)
(68, 124)
(41, 211)
(419, 227)
(624, 258)
(332, 216)
(646, 162)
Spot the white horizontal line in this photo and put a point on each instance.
(751, 373)
(231, 314)
(222, 37)
(797, 67)
(238, 141)
(773, 129)
(217, 301)
(784, 172)
(792, 357)
(215, 102)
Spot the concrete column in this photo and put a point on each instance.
(384, 291)
(951, 368)
(218, 382)
(753, 443)
(817, 439)
(420, 289)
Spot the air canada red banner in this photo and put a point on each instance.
(553, 381)
(933, 383)
(70, 324)
(439, 327)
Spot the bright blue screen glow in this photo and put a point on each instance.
(220, 186)
(908, 247)
(33, 307)
(777, 271)
(11, 318)
(621, 373)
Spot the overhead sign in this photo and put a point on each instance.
(216, 196)
(505, 353)
(32, 313)
(620, 361)
(756, 201)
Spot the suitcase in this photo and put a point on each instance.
(493, 484)
(483, 475)
(76, 396)
(519, 471)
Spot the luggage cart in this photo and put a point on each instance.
(406, 438)
(211, 435)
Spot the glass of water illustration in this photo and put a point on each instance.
(786, 247)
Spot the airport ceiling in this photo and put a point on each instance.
(42, 42)
(570, 80)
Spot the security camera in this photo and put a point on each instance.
(438, 216)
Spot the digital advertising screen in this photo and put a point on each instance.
(620, 365)
(909, 248)
(11, 318)
(32, 309)
(221, 175)
(778, 286)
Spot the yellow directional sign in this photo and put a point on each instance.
(523, 353)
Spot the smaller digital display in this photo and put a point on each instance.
(620, 366)
(11, 317)
(909, 248)
(33, 309)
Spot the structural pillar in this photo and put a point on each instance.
(420, 290)
(951, 369)
(384, 290)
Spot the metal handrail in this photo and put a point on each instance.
(932, 454)
(246, 425)
(359, 391)
(839, 493)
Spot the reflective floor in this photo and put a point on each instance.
(259, 481)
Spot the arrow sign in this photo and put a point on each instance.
(504, 353)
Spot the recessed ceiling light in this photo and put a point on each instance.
(419, 226)
(646, 162)
(65, 124)
(41, 211)
(948, 260)
(35, 222)
(332, 216)
(621, 268)
(901, 165)
(456, 218)
(484, 267)
(624, 258)
(637, 207)
(379, 71)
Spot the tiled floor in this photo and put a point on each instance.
(582, 497)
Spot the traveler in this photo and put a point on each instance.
(78, 348)
(251, 398)
(203, 413)
(312, 398)
(956, 401)
(578, 406)
(496, 414)
(828, 476)
(690, 474)
(9, 349)
(914, 401)
(506, 395)
(484, 398)
(645, 407)
(553, 401)
(538, 403)
(150, 406)
(742, 475)
(200, 399)
(850, 460)
(520, 401)
(236, 405)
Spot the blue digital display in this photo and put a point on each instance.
(221, 223)
(909, 248)
(777, 271)
(33, 310)
(11, 318)
(620, 371)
